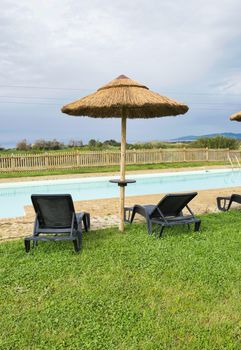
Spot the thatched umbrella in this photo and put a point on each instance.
(236, 116)
(124, 98)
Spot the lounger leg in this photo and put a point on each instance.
(224, 204)
(27, 245)
(86, 221)
(161, 232)
(197, 226)
(156, 227)
(132, 216)
(149, 225)
(78, 242)
(127, 215)
(35, 243)
(76, 245)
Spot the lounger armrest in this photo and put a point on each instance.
(79, 216)
(190, 211)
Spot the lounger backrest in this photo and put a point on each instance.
(173, 204)
(54, 211)
(236, 198)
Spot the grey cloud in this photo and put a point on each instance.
(182, 46)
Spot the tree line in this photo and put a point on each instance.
(51, 145)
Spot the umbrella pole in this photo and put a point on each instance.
(122, 172)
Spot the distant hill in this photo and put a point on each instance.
(193, 138)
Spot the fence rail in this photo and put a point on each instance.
(63, 160)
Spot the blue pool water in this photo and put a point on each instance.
(14, 196)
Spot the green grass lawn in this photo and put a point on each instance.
(106, 169)
(126, 291)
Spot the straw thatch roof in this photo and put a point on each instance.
(236, 116)
(123, 96)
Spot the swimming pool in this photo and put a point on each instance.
(14, 196)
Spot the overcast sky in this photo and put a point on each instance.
(55, 51)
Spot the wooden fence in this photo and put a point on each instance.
(63, 160)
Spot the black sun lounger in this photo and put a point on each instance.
(56, 220)
(224, 203)
(168, 212)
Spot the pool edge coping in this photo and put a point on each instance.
(16, 182)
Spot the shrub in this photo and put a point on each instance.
(95, 144)
(113, 143)
(47, 145)
(75, 143)
(23, 145)
(147, 145)
(54, 145)
(216, 142)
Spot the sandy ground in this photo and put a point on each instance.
(104, 212)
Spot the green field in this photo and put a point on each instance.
(126, 291)
(106, 169)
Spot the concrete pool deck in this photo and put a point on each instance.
(116, 173)
(104, 212)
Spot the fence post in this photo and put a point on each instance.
(78, 158)
(134, 157)
(107, 157)
(46, 160)
(12, 162)
(184, 154)
(207, 155)
(228, 154)
(160, 155)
